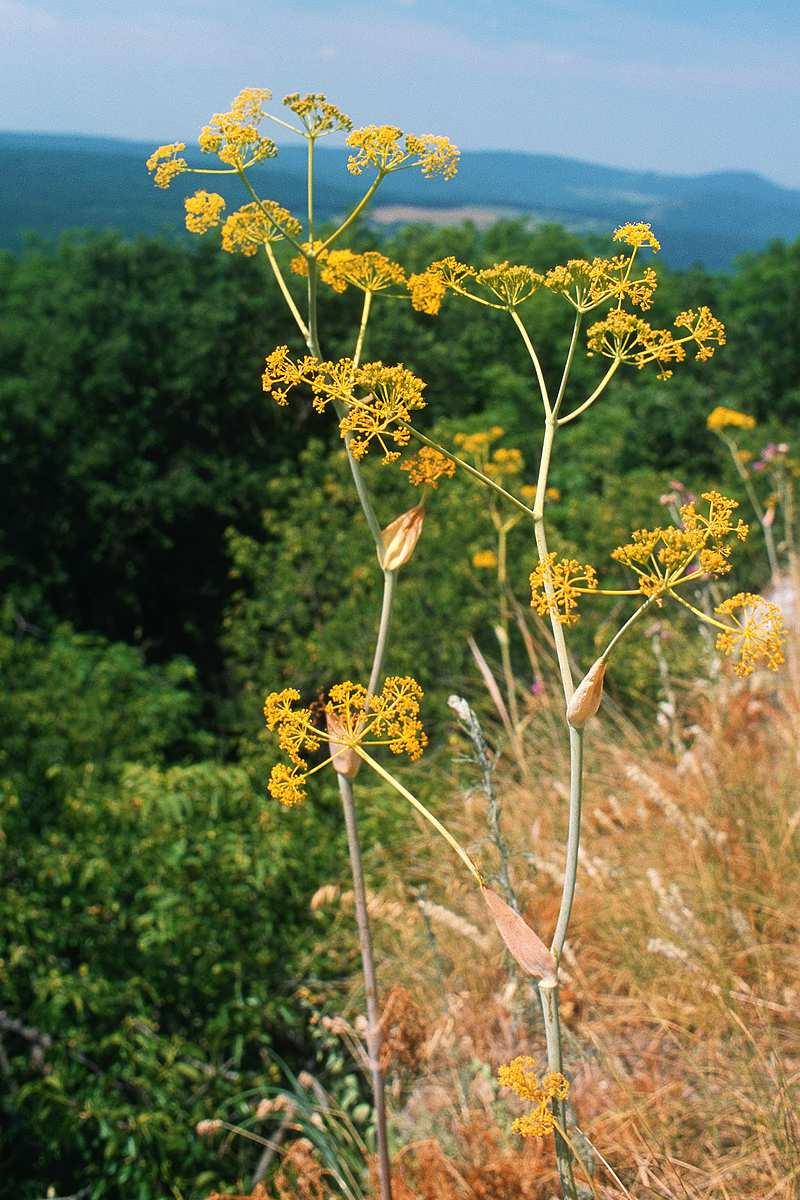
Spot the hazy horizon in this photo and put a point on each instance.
(672, 90)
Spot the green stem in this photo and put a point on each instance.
(559, 640)
(548, 994)
(362, 329)
(568, 363)
(426, 813)
(602, 385)
(465, 466)
(624, 628)
(389, 581)
(287, 295)
(359, 208)
(537, 366)
(254, 196)
(370, 988)
(573, 840)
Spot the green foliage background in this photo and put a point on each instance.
(174, 546)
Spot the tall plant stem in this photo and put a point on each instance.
(345, 785)
(548, 991)
(389, 581)
(370, 988)
(548, 994)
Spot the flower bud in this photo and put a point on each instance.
(207, 1127)
(400, 537)
(587, 696)
(345, 759)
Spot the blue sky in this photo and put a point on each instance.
(676, 85)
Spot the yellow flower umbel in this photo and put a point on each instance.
(318, 115)
(756, 634)
(388, 719)
(484, 560)
(386, 148)
(663, 558)
(557, 586)
(370, 271)
(519, 1075)
(203, 211)
(378, 400)
(626, 338)
(253, 225)
(234, 136)
(723, 418)
(165, 163)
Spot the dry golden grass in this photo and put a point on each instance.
(680, 986)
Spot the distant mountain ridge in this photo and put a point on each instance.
(53, 182)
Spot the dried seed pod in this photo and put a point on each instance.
(400, 537)
(587, 696)
(345, 759)
(525, 946)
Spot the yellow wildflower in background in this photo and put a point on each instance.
(505, 462)
(520, 1076)
(427, 467)
(722, 417)
(568, 579)
(756, 635)
(203, 211)
(166, 164)
(484, 560)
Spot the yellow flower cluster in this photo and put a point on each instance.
(203, 211)
(504, 463)
(370, 271)
(661, 557)
(427, 467)
(427, 292)
(388, 719)
(510, 285)
(519, 1075)
(722, 417)
(386, 149)
(756, 635)
(378, 400)
(254, 225)
(566, 580)
(392, 394)
(484, 560)
(586, 285)
(166, 163)
(234, 135)
(477, 444)
(628, 339)
(637, 234)
(317, 114)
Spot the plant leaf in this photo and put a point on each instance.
(524, 946)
